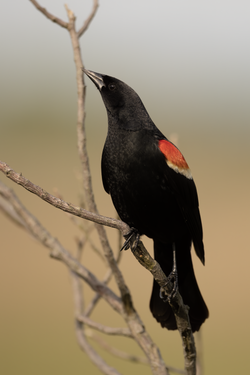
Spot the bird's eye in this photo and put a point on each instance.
(112, 87)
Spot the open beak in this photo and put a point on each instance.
(97, 78)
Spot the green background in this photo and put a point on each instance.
(189, 62)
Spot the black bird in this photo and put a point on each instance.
(153, 191)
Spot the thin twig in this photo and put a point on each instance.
(83, 343)
(115, 351)
(49, 15)
(89, 19)
(97, 296)
(104, 329)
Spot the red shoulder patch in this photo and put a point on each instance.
(174, 158)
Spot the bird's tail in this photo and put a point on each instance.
(188, 286)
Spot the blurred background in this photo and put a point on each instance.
(189, 62)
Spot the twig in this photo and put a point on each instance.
(49, 15)
(83, 343)
(102, 328)
(115, 351)
(106, 280)
(97, 296)
(59, 203)
(89, 19)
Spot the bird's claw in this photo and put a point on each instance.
(172, 277)
(133, 232)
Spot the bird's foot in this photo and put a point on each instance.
(172, 277)
(129, 238)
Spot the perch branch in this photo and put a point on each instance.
(180, 310)
(59, 203)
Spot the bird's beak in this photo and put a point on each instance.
(97, 78)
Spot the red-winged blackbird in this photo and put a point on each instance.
(153, 191)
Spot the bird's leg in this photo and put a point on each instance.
(172, 277)
(129, 236)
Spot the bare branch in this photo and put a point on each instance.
(83, 343)
(89, 19)
(96, 298)
(59, 203)
(81, 136)
(49, 15)
(105, 280)
(102, 328)
(115, 351)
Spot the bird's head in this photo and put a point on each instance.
(121, 101)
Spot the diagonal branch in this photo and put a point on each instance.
(49, 15)
(59, 203)
(89, 19)
(178, 307)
